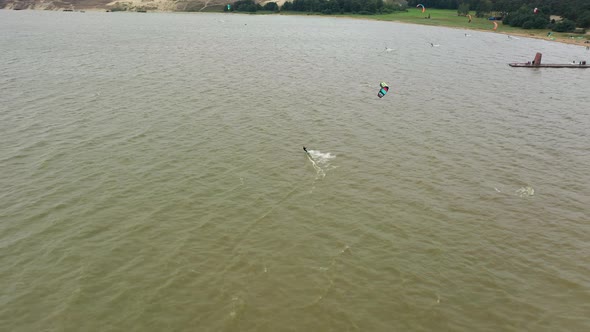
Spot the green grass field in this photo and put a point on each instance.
(449, 18)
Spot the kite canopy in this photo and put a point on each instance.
(383, 90)
(421, 5)
(536, 10)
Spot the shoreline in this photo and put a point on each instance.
(559, 39)
(540, 35)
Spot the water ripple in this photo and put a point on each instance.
(153, 178)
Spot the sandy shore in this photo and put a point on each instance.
(559, 39)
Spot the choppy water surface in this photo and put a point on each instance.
(153, 178)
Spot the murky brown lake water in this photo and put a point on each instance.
(153, 179)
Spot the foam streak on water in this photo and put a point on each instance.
(152, 177)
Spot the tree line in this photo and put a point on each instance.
(327, 7)
(251, 7)
(518, 13)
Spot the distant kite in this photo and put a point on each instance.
(536, 10)
(421, 5)
(383, 90)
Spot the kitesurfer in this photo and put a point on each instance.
(305, 149)
(383, 90)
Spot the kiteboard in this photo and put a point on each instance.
(383, 90)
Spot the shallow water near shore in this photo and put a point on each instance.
(153, 178)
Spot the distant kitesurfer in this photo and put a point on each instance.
(305, 149)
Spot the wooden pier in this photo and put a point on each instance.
(536, 63)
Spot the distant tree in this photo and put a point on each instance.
(565, 26)
(483, 8)
(245, 6)
(584, 20)
(540, 22)
(463, 9)
(508, 5)
(271, 6)
(527, 19)
(439, 4)
(371, 7)
(356, 6)
(287, 6)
